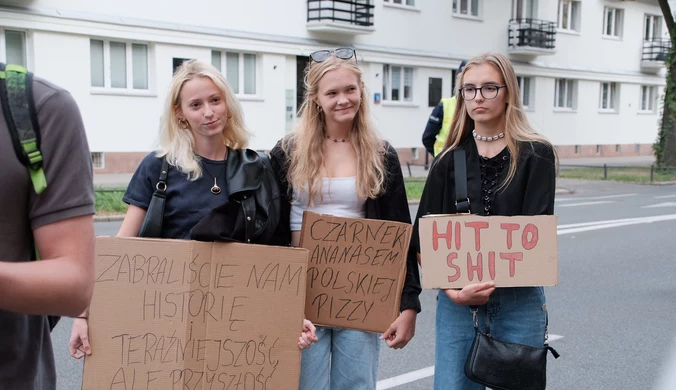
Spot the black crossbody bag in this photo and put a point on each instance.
(152, 223)
(494, 363)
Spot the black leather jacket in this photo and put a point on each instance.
(252, 212)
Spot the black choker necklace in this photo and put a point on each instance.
(335, 139)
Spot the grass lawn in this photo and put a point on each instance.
(628, 174)
(109, 201)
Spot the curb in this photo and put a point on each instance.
(108, 218)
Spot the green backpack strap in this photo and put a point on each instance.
(16, 95)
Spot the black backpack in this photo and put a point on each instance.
(18, 106)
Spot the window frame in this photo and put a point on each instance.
(456, 7)
(570, 93)
(616, 20)
(527, 92)
(652, 23)
(613, 96)
(574, 16)
(3, 46)
(241, 77)
(652, 99)
(129, 67)
(387, 83)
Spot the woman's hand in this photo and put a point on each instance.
(79, 339)
(401, 331)
(308, 335)
(472, 295)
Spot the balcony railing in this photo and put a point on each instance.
(358, 13)
(529, 36)
(656, 50)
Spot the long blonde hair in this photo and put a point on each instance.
(304, 143)
(177, 141)
(518, 130)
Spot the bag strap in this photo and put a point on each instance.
(152, 223)
(460, 167)
(16, 94)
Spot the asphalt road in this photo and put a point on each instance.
(612, 315)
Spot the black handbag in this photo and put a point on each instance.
(152, 223)
(494, 363)
(506, 366)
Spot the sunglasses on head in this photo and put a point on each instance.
(344, 53)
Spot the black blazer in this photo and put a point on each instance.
(531, 191)
(390, 205)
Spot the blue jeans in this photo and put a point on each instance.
(514, 315)
(341, 359)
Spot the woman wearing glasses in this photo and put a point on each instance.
(333, 162)
(511, 170)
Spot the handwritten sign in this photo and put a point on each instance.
(177, 314)
(356, 270)
(458, 250)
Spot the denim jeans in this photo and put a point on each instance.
(341, 359)
(514, 315)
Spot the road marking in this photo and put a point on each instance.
(665, 197)
(595, 197)
(421, 374)
(405, 378)
(658, 205)
(596, 225)
(585, 203)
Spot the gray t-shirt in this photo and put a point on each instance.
(26, 357)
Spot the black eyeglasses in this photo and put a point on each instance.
(487, 91)
(344, 53)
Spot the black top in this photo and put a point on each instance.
(390, 205)
(187, 201)
(433, 128)
(531, 191)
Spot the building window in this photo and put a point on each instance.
(397, 83)
(618, 148)
(525, 91)
(402, 2)
(652, 28)
(648, 98)
(434, 92)
(98, 160)
(608, 97)
(598, 149)
(466, 7)
(239, 69)
(414, 153)
(122, 65)
(612, 22)
(569, 15)
(577, 149)
(13, 47)
(565, 93)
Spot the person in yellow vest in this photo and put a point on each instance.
(439, 123)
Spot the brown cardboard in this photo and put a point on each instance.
(458, 250)
(356, 270)
(178, 314)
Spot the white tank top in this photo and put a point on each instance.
(339, 199)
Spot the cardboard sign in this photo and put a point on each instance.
(458, 250)
(178, 314)
(356, 270)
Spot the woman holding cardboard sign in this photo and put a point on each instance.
(204, 173)
(510, 170)
(334, 163)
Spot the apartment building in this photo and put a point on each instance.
(591, 71)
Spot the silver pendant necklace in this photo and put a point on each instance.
(215, 189)
(488, 139)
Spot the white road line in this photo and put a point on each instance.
(585, 203)
(587, 226)
(422, 374)
(595, 197)
(405, 378)
(665, 197)
(658, 205)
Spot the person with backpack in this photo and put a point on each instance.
(207, 185)
(46, 208)
(335, 163)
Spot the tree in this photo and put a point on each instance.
(665, 146)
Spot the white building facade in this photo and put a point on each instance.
(591, 71)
